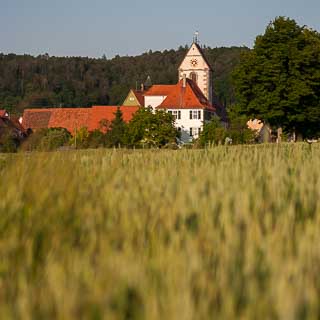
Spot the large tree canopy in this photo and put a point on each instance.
(279, 80)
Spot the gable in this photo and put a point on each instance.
(134, 99)
(195, 53)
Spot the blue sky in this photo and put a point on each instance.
(95, 27)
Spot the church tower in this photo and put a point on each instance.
(197, 68)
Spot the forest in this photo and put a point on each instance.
(44, 81)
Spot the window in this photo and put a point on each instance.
(195, 114)
(176, 114)
(194, 132)
(194, 77)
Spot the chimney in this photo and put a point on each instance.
(142, 87)
(184, 81)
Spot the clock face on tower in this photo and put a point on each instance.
(194, 62)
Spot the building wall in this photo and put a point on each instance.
(153, 101)
(185, 123)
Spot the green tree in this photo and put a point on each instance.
(213, 133)
(151, 129)
(279, 80)
(96, 139)
(238, 129)
(117, 131)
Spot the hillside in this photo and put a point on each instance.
(44, 81)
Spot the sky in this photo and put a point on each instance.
(130, 27)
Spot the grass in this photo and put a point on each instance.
(223, 233)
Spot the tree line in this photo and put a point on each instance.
(44, 81)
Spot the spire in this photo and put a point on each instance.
(148, 83)
(196, 37)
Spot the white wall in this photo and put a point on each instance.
(153, 101)
(185, 123)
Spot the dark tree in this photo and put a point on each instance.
(279, 80)
(117, 131)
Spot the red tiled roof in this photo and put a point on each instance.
(3, 113)
(159, 90)
(70, 118)
(36, 118)
(108, 113)
(189, 97)
(73, 118)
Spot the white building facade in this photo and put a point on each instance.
(189, 122)
(190, 100)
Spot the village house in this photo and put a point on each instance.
(11, 125)
(190, 101)
(185, 101)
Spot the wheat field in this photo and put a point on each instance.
(222, 233)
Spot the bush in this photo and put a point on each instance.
(80, 139)
(47, 140)
(213, 133)
(237, 131)
(8, 142)
(96, 139)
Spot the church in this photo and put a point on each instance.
(190, 101)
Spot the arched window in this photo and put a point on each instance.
(194, 77)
